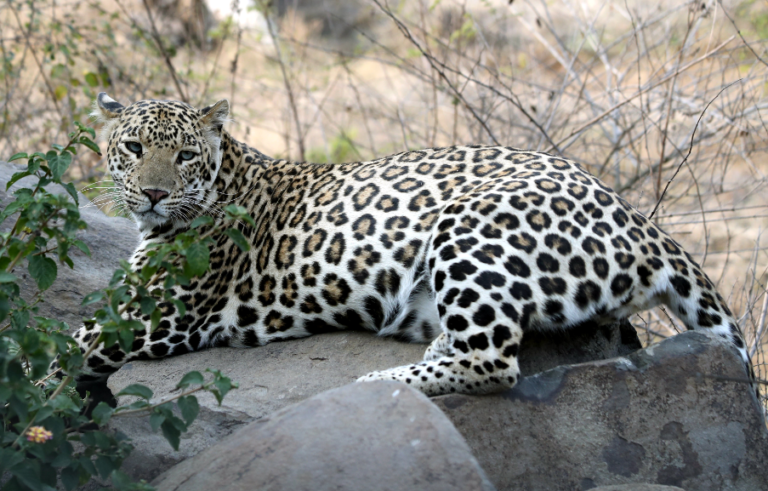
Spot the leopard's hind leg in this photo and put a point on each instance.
(480, 307)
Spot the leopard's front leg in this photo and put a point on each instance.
(101, 360)
(174, 336)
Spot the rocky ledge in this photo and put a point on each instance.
(280, 374)
(676, 414)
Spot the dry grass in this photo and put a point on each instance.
(665, 101)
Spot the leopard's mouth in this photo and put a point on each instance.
(150, 218)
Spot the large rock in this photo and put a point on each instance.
(278, 374)
(152, 454)
(373, 436)
(109, 239)
(677, 414)
(270, 378)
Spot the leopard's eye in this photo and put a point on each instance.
(186, 155)
(134, 147)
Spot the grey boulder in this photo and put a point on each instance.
(678, 413)
(274, 376)
(373, 436)
(270, 378)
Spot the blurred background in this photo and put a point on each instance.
(666, 101)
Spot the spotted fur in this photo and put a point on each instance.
(466, 248)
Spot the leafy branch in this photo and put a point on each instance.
(41, 416)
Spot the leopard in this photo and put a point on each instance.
(466, 248)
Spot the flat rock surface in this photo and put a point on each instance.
(273, 376)
(671, 414)
(372, 436)
(282, 373)
(108, 238)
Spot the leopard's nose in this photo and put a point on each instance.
(155, 195)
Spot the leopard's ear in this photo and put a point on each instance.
(106, 108)
(215, 116)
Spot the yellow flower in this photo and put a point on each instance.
(38, 434)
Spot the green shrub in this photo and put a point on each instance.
(45, 434)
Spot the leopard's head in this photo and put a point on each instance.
(164, 156)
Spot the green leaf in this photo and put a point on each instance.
(156, 419)
(13, 206)
(20, 319)
(17, 156)
(102, 440)
(59, 164)
(155, 319)
(70, 477)
(93, 298)
(87, 464)
(191, 378)
(118, 295)
(238, 238)
(9, 458)
(176, 421)
(239, 213)
(101, 413)
(189, 408)
(171, 433)
(33, 164)
(58, 70)
(122, 482)
(83, 247)
(180, 306)
(44, 413)
(87, 142)
(28, 472)
(117, 277)
(92, 79)
(16, 177)
(222, 385)
(136, 390)
(59, 92)
(64, 453)
(201, 220)
(104, 466)
(43, 270)
(197, 258)
(6, 277)
(72, 191)
(148, 305)
(125, 339)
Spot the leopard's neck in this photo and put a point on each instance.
(241, 166)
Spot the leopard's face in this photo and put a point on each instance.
(163, 157)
